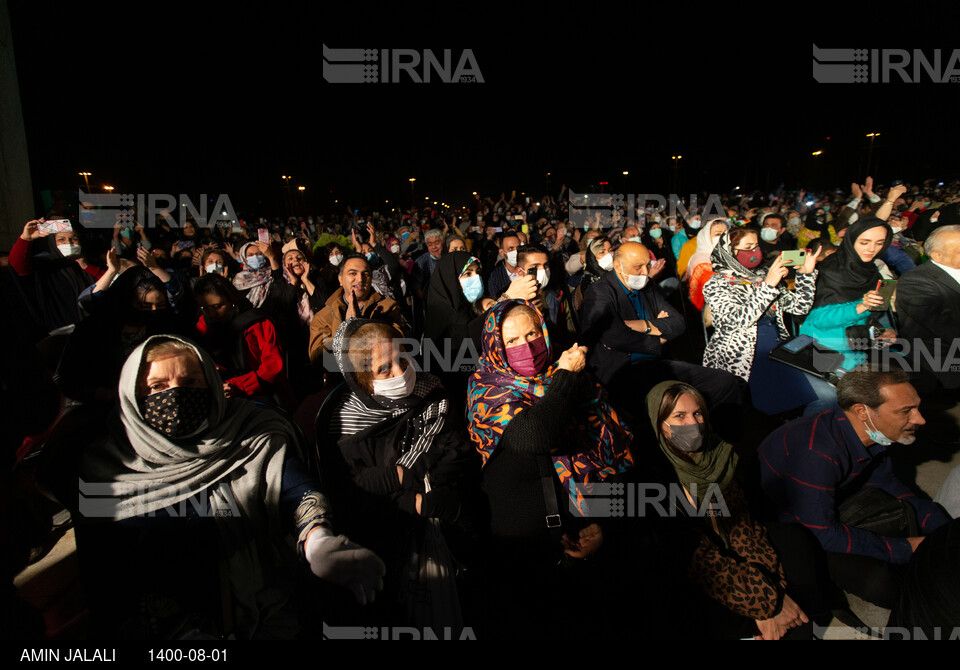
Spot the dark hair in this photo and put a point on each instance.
(349, 257)
(818, 243)
(738, 233)
(774, 215)
(528, 249)
(504, 235)
(212, 250)
(452, 238)
(863, 384)
(217, 285)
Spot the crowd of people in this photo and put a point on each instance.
(401, 419)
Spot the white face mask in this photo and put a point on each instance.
(214, 268)
(396, 388)
(335, 259)
(635, 282)
(695, 224)
(395, 248)
(543, 277)
(606, 262)
(632, 239)
(896, 229)
(69, 250)
(512, 258)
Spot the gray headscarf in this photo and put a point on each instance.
(236, 455)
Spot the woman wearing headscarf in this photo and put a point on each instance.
(598, 261)
(58, 271)
(243, 341)
(204, 497)
(700, 268)
(542, 428)
(815, 225)
(748, 304)
(133, 308)
(454, 314)
(311, 293)
(402, 473)
(847, 289)
(735, 564)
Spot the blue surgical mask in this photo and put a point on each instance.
(472, 287)
(655, 233)
(257, 262)
(404, 236)
(875, 434)
(826, 208)
(371, 257)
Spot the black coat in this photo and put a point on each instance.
(610, 341)
(928, 310)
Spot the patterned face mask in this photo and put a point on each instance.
(178, 411)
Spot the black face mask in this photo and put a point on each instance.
(176, 412)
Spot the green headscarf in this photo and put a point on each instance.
(715, 463)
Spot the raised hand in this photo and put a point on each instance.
(776, 272)
(523, 288)
(31, 232)
(810, 262)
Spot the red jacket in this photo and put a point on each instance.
(264, 359)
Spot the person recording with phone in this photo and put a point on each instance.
(57, 270)
(749, 304)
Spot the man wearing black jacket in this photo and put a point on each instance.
(626, 322)
(928, 310)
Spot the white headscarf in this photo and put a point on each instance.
(705, 244)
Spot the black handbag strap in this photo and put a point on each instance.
(553, 520)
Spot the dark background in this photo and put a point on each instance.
(221, 99)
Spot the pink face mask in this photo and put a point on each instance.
(528, 359)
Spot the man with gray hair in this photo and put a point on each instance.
(928, 309)
(427, 261)
(830, 472)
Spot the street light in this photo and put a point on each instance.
(413, 197)
(817, 153)
(108, 188)
(86, 181)
(872, 137)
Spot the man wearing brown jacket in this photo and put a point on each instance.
(354, 298)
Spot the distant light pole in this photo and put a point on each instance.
(872, 137)
(86, 181)
(413, 197)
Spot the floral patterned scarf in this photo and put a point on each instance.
(496, 394)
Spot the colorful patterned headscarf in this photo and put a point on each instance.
(257, 281)
(600, 441)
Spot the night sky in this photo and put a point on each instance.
(226, 100)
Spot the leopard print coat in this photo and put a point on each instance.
(736, 308)
(746, 577)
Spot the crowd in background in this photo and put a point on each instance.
(419, 401)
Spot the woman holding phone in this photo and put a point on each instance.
(848, 291)
(748, 304)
